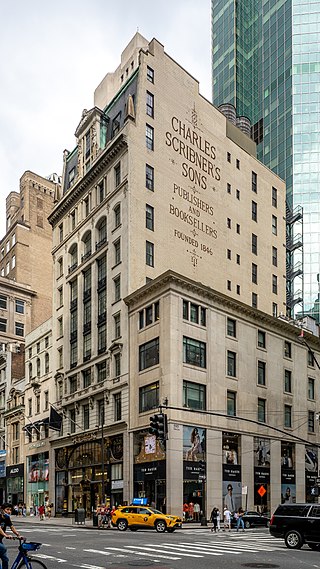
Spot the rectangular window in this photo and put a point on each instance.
(274, 225)
(254, 211)
(116, 122)
(274, 284)
(274, 309)
(149, 137)
(46, 400)
(229, 285)
(254, 182)
(72, 420)
(73, 384)
(310, 357)
(149, 217)
(238, 194)
(311, 421)
(149, 354)
(288, 416)
(117, 406)
(117, 175)
(150, 104)
(3, 302)
(117, 252)
(288, 381)
(311, 388)
(231, 364)
(101, 371)
(237, 163)
(228, 223)
(228, 188)
(194, 313)
(261, 410)
(261, 373)
(117, 288)
(228, 157)
(117, 365)
(231, 403)
(117, 326)
(86, 416)
(274, 197)
(149, 177)
(194, 395)
(254, 300)
(150, 74)
(261, 339)
(86, 377)
(254, 244)
(275, 256)
(238, 289)
(238, 228)
(3, 324)
(149, 315)
(287, 349)
(60, 229)
(254, 273)
(149, 397)
(231, 327)
(19, 329)
(229, 254)
(102, 338)
(149, 254)
(194, 352)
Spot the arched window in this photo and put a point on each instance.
(73, 252)
(86, 246)
(101, 232)
(117, 215)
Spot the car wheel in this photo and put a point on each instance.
(314, 546)
(293, 539)
(247, 524)
(122, 525)
(170, 530)
(160, 526)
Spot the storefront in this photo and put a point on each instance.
(37, 493)
(231, 471)
(311, 470)
(149, 471)
(262, 496)
(288, 473)
(15, 484)
(194, 472)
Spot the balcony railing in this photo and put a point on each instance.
(86, 256)
(101, 243)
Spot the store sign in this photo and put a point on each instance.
(2, 469)
(15, 470)
(150, 470)
(116, 484)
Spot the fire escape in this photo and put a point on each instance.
(294, 260)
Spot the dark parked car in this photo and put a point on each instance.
(252, 519)
(297, 524)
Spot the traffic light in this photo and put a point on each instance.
(158, 426)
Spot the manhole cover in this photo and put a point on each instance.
(260, 565)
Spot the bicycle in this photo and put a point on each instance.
(23, 560)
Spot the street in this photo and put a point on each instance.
(92, 549)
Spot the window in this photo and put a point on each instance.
(60, 297)
(261, 410)
(101, 371)
(231, 327)
(3, 302)
(261, 373)
(194, 312)
(254, 211)
(228, 188)
(287, 381)
(117, 175)
(254, 273)
(46, 400)
(231, 403)
(116, 124)
(275, 284)
(29, 407)
(60, 229)
(254, 182)
(254, 244)
(117, 252)
(3, 324)
(229, 285)
(117, 288)
(150, 74)
(149, 397)
(85, 416)
(149, 177)
(149, 315)
(238, 228)
(238, 289)
(117, 326)
(287, 349)
(311, 391)
(254, 300)
(311, 421)
(310, 358)
(229, 254)
(231, 364)
(72, 220)
(117, 216)
(194, 395)
(38, 347)
(274, 197)
(274, 309)
(149, 254)
(19, 329)
(149, 137)
(261, 339)
(37, 403)
(288, 416)
(86, 377)
(237, 163)
(15, 431)
(228, 223)
(149, 354)
(13, 261)
(117, 406)
(150, 104)
(117, 365)
(73, 384)
(60, 357)
(228, 157)
(275, 256)
(274, 225)
(194, 352)
(101, 194)
(149, 217)
(238, 194)
(46, 363)
(72, 420)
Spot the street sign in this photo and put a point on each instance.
(261, 491)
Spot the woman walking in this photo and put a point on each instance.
(214, 519)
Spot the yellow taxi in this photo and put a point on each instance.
(144, 517)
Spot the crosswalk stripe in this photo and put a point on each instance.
(190, 549)
(224, 547)
(128, 551)
(161, 550)
(239, 546)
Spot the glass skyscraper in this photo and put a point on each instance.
(266, 62)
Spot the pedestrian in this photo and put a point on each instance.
(196, 512)
(226, 519)
(49, 511)
(191, 510)
(213, 519)
(218, 519)
(240, 519)
(185, 511)
(42, 512)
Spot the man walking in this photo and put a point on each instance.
(226, 519)
(240, 519)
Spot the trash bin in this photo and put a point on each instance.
(79, 516)
(95, 519)
(203, 521)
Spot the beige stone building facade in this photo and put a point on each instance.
(160, 181)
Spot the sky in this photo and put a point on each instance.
(54, 55)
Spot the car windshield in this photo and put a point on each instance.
(155, 511)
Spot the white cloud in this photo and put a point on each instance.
(53, 56)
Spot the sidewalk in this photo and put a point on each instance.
(20, 522)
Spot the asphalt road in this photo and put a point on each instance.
(185, 549)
